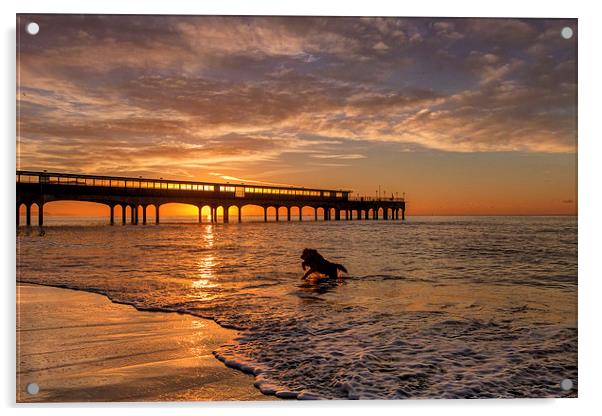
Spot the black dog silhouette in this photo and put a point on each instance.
(318, 264)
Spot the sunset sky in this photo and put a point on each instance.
(466, 116)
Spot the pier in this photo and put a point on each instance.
(137, 194)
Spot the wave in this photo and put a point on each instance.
(426, 311)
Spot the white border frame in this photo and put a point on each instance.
(590, 198)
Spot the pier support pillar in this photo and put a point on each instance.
(112, 208)
(239, 214)
(315, 214)
(265, 214)
(132, 215)
(226, 215)
(337, 214)
(156, 214)
(346, 215)
(123, 214)
(300, 213)
(385, 213)
(213, 214)
(288, 213)
(28, 215)
(325, 214)
(403, 214)
(200, 207)
(41, 214)
(143, 214)
(277, 218)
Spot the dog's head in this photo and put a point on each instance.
(308, 253)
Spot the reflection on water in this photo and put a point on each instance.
(319, 286)
(203, 283)
(206, 268)
(435, 307)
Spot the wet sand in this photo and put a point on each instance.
(79, 347)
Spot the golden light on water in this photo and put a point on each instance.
(205, 268)
(203, 284)
(208, 237)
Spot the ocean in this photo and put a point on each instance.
(434, 307)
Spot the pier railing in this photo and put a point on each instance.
(236, 189)
(375, 199)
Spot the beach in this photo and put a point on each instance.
(80, 346)
(442, 307)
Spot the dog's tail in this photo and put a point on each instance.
(341, 268)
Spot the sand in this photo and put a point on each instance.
(79, 347)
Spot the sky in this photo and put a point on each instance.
(463, 116)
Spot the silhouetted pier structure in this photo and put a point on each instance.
(138, 194)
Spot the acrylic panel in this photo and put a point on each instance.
(269, 208)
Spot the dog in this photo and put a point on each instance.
(318, 264)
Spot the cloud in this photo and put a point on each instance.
(380, 46)
(102, 93)
(246, 181)
(346, 156)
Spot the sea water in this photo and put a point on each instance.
(434, 307)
